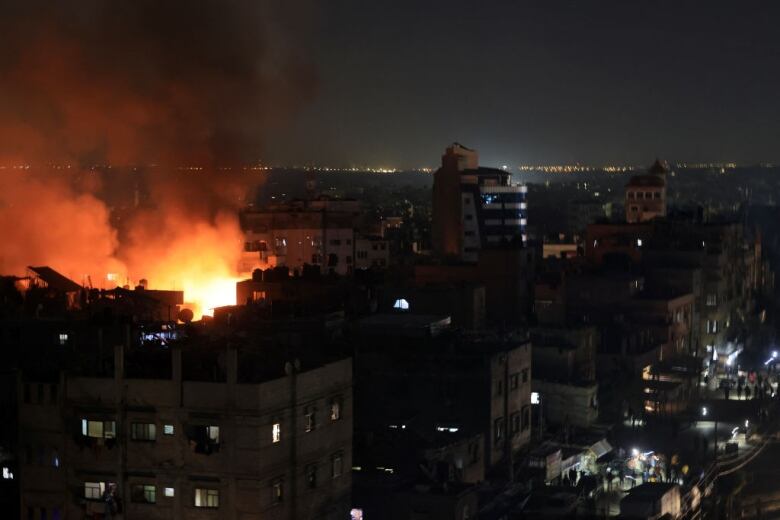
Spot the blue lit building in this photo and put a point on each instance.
(475, 207)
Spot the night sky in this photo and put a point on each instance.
(539, 82)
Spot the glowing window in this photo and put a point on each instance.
(169, 492)
(401, 304)
(276, 433)
(206, 497)
(94, 490)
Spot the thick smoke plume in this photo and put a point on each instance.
(160, 86)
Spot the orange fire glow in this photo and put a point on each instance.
(200, 258)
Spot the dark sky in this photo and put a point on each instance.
(596, 82)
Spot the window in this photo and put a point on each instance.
(277, 491)
(63, 339)
(206, 497)
(335, 409)
(336, 465)
(168, 429)
(514, 381)
(204, 439)
(55, 459)
(657, 195)
(401, 304)
(712, 326)
(639, 195)
(348, 259)
(169, 492)
(524, 372)
(143, 432)
(94, 490)
(515, 423)
(712, 300)
(630, 194)
(311, 476)
(499, 388)
(276, 433)
(498, 430)
(526, 418)
(310, 418)
(98, 429)
(143, 494)
(335, 242)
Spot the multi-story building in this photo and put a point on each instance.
(475, 207)
(564, 363)
(449, 387)
(371, 251)
(646, 194)
(318, 232)
(209, 431)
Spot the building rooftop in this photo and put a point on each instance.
(405, 324)
(54, 280)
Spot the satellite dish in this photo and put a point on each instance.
(186, 315)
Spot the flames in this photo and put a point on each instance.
(176, 250)
(172, 245)
(204, 295)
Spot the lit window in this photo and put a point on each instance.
(206, 497)
(98, 429)
(213, 434)
(143, 432)
(638, 242)
(63, 338)
(169, 492)
(277, 490)
(168, 429)
(401, 304)
(498, 430)
(335, 409)
(276, 433)
(94, 490)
